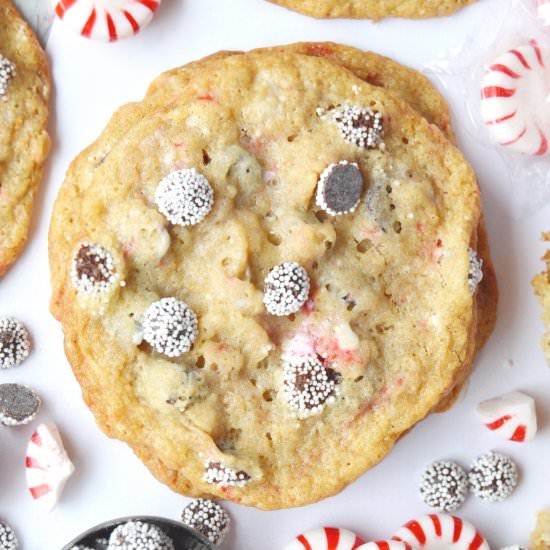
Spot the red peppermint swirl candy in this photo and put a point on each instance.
(326, 538)
(106, 20)
(441, 532)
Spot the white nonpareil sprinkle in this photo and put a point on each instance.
(286, 289)
(8, 540)
(137, 535)
(7, 73)
(15, 343)
(308, 386)
(208, 518)
(493, 477)
(218, 474)
(170, 327)
(184, 197)
(444, 486)
(93, 270)
(358, 125)
(475, 270)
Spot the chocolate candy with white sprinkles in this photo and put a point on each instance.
(80, 547)
(308, 385)
(15, 343)
(359, 126)
(8, 540)
(184, 197)
(170, 327)
(223, 476)
(475, 270)
(19, 404)
(286, 289)
(340, 188)
(444, 486)
(93, 270)
(138, 535)
(7, 73)
(493, 477)
(208, 518)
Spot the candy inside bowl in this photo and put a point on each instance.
(166, 534)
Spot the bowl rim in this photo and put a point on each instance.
(112, 523)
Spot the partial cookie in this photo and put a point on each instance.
(375, 9)
(24, 143)
(370, 337)
(540, 539)
(541, 285)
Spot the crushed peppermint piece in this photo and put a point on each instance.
(308, 385)
(7, 73)
(208, 518)
(286, 289)
(93, 270)
(493, 477)
(19, 404)
(184, 197)
(475, 271)
(339, 188)
(444, 486)
(8, 540)
(170, 327)
(514, 547)
(360, 126)
(15, 343)
(218, 474)
(138, 535)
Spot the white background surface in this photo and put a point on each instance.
(92, 80)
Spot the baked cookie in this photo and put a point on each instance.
(24, 143)
(541, 285)
(375, 9)
(540, 539)
(234, 316)
(414, 88)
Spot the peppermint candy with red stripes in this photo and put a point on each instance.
(326, 538)
(47, 466)
(386, 545)
(441, 532)
(543, 11)
(514, 99)
(106, 20)
(512, 416)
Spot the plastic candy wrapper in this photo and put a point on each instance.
(504, 84)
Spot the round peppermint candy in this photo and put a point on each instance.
(106, 20)
(441, 532)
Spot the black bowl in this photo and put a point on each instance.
(183, 537)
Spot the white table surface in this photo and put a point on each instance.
(92, 80)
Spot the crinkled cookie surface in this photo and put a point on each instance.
(271, 411)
